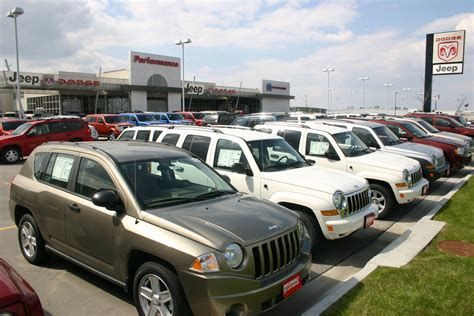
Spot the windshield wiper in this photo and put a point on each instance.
(169, 200)
(212, 194)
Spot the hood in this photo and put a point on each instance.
(414, 149)
(447, 141)
(318, 179)
(9, 136)
(453, 135)
(217, 222)
(384, 160)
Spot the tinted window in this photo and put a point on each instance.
(40, 129)
(227, 154)
(171, 139)
(73, 126)
(240, 121)
(143, 135)
(275, 155)
(91, 119)
(292, 137)
(59, 169)
(175, 116)
(114, 119)
(156, 134)
(198, 145)
(127, 135)
(21, 129)
(40, 163)
(9, 126)
(92, 177)
(442, 122)
(427, 119)
(366, 137)
(396, 130)
(317, 145)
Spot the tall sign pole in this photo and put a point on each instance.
(444, 56)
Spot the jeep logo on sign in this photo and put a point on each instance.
(25, 79)
(447, 50)
(194, 89)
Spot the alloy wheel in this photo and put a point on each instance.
(11, 155)
(28, 239)
(379, 199)
(155, 297)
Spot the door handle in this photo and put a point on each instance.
(74, 207)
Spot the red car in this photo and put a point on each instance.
(30, 135)
(446, 123)
(456, 156)
(17, 297)
(108, 125)
(195, 117)
(8, 125)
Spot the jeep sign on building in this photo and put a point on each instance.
(151, 83)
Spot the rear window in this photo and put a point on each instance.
(143, 135)
(10, 126)
(40, 164)
(171, 139)
(198, 145)
(59, 169)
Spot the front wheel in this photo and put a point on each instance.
(383, 198)
(312, 226)
(157, 291)
(111, 136)
(11, 155)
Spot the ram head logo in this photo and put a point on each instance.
(447, 50)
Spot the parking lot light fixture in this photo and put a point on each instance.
(364, 79)
(388, 85)
(328, 70)
(14, 13)
(182, 42)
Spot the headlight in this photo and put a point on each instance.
(460, 151)
(205, 263)
(340, 201)
(406, 175)
(233, 255)
(434, 160)
(302, 231)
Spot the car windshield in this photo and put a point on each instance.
(10, 126)
(454, 122)
(351, 145)
(145, 117)
(463, 120)
(198, 116)
(175, 117)
(22, 129)
(430, 128)
(386, 136)
(275, 155)
(114, 119)
(415, 130)
(161, 182)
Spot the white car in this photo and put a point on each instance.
(332, 204)
(393, 179)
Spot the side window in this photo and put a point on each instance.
(397, 130)
(317, 145)
(39, 164)
(292, 137)
(101, 120)
(73, 126)
(163, 117)
(127, 135)
(143, 135)
(92, 177)
(156, 134)
(171, 139)
(366, 137)
(228, 153)
(91, 119)
(40, 129)
(241, 121)
(198, 145)
(442, 122)
(59, 169)
(427, 119)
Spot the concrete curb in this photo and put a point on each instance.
(404, 249)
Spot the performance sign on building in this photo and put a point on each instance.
(448, 53)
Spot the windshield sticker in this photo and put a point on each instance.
(228, 157)
(62, 168)
(318, 148)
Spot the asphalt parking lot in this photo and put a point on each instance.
(65, 289)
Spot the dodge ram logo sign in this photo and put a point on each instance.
(447, 50)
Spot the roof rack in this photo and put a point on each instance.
(303, 125)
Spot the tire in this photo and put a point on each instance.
(164, 280)
(30, 240)
(386, 200)
(11, 155)
(111, 136)
(312, 226)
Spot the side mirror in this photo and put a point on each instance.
(108, 199)
(239, 167)
(311, 162)
(226, 178)
(331, 155)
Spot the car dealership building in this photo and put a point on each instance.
(151, 83)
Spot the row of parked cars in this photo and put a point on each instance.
(221, 219)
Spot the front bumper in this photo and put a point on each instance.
(220, 294)
(432, 175)
(408, 195)
(347, 225)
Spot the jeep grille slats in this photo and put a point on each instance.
(416, 176)
(440, 162)
(357, 202)
(271, 256)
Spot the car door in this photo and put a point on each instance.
(92, 232)
(323, 151)
(37, 135)
(101, 126)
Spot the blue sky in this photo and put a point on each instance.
(249, 41)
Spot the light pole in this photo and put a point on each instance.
(364, 79)
(182, 42)
(388, 85)
(351, 93)
(328, 70)
(306, 102)
(14, 13)
(406, 96)
(395, 107)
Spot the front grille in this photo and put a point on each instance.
(440, 162)
(416, 176)
(272, 256)
(357, 202)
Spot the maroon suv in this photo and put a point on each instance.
(444, 122)
(30, 135)
(456, 156)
